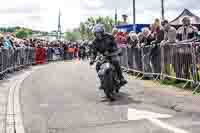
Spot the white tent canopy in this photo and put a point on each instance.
(178, 21)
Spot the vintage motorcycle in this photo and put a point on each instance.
(107, 74)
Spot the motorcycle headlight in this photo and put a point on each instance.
(105, 65)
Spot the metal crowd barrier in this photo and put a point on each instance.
(49, 54)
(180, 61)
(134, 61)
(177, 61)
(123, 58)
(12, 59)
(151, 58)
(58, 54)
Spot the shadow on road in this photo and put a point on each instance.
(122, 99)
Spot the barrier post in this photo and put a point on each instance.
(195, 60)
(162, 61)
(1, 62)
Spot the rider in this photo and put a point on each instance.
(104, 43)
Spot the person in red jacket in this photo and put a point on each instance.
(121, 39)
(40, 55)
(43, 55)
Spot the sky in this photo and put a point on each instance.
(43, 14)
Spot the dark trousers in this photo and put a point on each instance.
(115, 61)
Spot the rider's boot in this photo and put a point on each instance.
(100, 87)
(123, 82)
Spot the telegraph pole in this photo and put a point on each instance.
(59, 26)
(162, 9)
(115, 16)
(134, 17)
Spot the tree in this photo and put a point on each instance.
(23, 33)
(109, 23)
(82, 30)
(87, 26)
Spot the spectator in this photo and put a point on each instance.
(7, 43)
(82, 51)
(182, 56)
(138, 54)
(133, 40)
(71, 51)
(65, 47)
(187, 32)
(132, 49)
(125, 18)
(155, 26)
(121, 39)
(155, 56)
(140, 38)
(170, 37)
(114, 32)
(146, 40)
(170, 32)
(76, 50)
(157, 32)
(147, 37)
(1, 40)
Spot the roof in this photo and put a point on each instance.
(178, 21)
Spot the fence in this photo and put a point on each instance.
(12, 59)
(180, 61)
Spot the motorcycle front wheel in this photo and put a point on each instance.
(108, 83)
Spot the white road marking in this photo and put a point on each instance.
(44, 105)
(196, 123)
(134, 114)
(13, 108)
(166, 126)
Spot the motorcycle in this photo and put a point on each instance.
(107, 74)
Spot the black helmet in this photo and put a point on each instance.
(99, 28)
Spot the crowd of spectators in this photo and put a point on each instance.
(60, 49)
(158, 32)
(157, 35)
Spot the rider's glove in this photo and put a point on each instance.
(106, 53)
(91, 63)
(120, 53)
(153, 42)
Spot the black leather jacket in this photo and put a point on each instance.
(106, 44)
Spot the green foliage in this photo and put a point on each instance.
(23, 33)
(9, 29)
(87, 26)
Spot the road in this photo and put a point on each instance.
(63, 98)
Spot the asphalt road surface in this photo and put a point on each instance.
(63, 97)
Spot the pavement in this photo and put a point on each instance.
(64, 97)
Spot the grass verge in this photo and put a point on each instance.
(179, 84)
